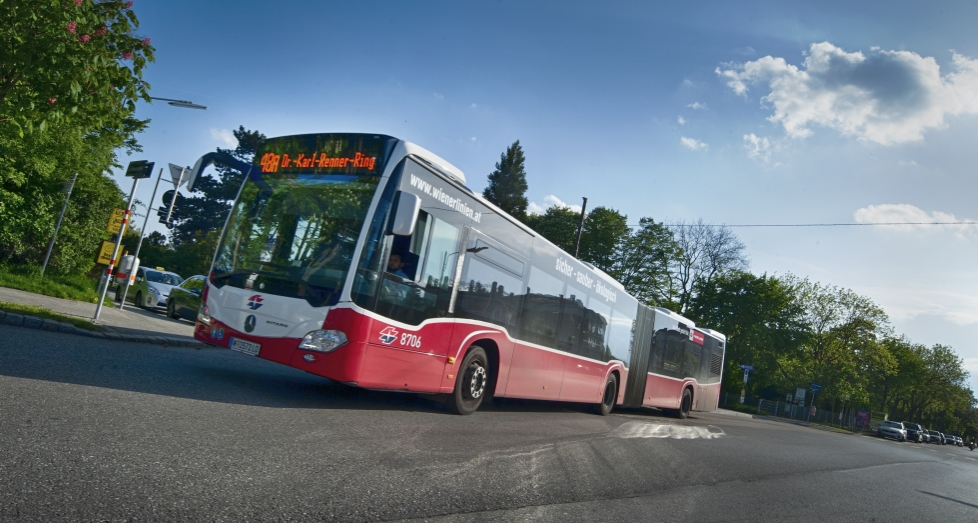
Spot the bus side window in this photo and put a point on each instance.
(541, 308)
(691, 361)
(672, 358)
(491, 294)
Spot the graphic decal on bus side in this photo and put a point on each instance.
(587, 281)
(441, 196)
(254, 302)
(388, 335)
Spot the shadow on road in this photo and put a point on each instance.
(217, 375)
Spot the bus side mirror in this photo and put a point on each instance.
(405, 214)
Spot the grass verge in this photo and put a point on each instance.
(72, 287)
(44, 314)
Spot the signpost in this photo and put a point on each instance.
(105, 253)
(115, 221)
(743, 391)
(137, 170)
(815, 388)
(142, 234)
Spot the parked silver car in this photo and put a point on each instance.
(892, 429)
(151, 288)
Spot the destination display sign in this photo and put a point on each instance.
(358, 154)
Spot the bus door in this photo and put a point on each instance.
(491, 289)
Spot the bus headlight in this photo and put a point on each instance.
(204, 315)
(323, 341)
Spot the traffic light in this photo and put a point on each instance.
(175, 214)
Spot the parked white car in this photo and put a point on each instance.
(892, 429)
(151, 288)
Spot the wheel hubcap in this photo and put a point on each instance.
(477, 381)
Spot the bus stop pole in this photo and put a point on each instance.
(142, 234)
(115, 251)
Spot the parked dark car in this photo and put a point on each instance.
(936, 437)
(915, 432)
(184, 299)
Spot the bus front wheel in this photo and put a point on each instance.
(471, 384)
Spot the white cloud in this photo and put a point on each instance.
(439, 96)
(474, 106)
(681, 120)
(904, 163)
(224, 136)
(697, 105)
(550, 201)
(885, 97)
(693, 144)
(906, 213)
(971, 365)
(758, 148)
(473, 138)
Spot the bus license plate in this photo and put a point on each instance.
(246, 347)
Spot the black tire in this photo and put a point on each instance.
(139, 300)
(685, 405)
(471, 384)
(609, 398)
(170, 311)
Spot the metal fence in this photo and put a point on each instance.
(848, 418)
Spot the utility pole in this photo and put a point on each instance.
(580, 229)
(58, 226)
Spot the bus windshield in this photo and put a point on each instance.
(293, 234)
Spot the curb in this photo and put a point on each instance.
(33, 322)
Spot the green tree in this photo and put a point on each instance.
(74, 61)
(33, 169)
(762, 318)
(208, 209)
(557, 224)
(507, 184)
(605, 231)
(643, 260)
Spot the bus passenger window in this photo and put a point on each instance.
(491, 294)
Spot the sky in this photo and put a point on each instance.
(735, 113)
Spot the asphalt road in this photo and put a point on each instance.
(102, 430)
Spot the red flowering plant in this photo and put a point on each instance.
(85, 54)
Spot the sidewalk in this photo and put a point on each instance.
(130, 322)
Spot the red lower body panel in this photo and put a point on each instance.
(664, 392)
(381, 356)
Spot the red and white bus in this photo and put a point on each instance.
(365, 259)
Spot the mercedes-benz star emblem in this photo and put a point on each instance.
(250, 323)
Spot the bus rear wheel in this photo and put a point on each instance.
(471, 383)
(609, 397)
(685, 405)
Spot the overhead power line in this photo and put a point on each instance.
(811, 224)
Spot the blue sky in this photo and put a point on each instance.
(733, 112)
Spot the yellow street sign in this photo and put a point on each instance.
(105, 253)
(115, 222)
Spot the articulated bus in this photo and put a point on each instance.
(365, 259)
